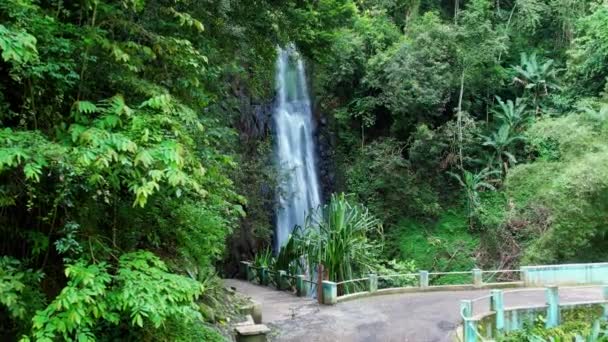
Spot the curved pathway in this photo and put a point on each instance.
(411, 317)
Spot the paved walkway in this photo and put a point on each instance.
(412, 317)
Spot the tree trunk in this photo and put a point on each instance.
(459, 118)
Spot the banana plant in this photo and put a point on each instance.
(536, 76)
(473, 184)
(510, 113)
(500, 141)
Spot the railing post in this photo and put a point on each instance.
(468, 325)
(330, 292)
(466, 307)
(424, 279)
(250, 276)
(264, 275)
(301, 287)
(477, 277)
(320, 277)
(552, 296)
(282, 280)
(498, 306)
(373, 282)
(605, 293)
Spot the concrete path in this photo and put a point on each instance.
(412, 317)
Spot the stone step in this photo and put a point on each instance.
(248, 321)
(251, 333)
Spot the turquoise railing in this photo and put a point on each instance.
(375, 284)
(499, 319)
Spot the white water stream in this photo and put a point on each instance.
(298, 189)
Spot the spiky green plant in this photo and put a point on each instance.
(289, 257)
(337, 235)
(263, 258)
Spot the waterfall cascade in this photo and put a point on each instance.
(298, 190)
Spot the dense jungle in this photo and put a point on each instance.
(137, 165)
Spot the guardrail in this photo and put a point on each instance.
(374, 284)
(499, 319)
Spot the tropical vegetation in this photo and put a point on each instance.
(136, 149)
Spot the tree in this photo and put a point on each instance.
(472, 184)
(479, 44)
(500, 141)
(512, 114)
(537, 77)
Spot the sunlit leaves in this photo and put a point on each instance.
(29, 151)
(17, 46)
(14, 284)
(86, 107)
(162, 102)
(587, 65)
(142, 289)
(187, 19)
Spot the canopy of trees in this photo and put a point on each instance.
(135, 147)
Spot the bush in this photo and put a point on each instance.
(382, 179)
(563, 200)
(142, 294)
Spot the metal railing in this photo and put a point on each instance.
(383, 283)
(493, 314)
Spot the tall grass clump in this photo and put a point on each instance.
(342, 236)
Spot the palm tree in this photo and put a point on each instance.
(473, 183)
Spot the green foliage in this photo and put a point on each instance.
(18, 47)
(500, 143)
(142, 292)
(342, 236)
(587, 62)
(118, 136)
(512, 114)
(568, 182)
(442, 245)
(263, 258)
(580, 325)
(18, 288)
(413, 78)
(536, 77)
(473, 184)
(74, 312)
(384, 181)
(394, 267)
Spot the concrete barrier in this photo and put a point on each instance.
(568, 274)
(499, 320)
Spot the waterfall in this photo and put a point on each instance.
(298, 189)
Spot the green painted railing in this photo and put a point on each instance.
(374, 284)
(499, 319)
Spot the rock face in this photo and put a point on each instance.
(256, 117)
(325, 157)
